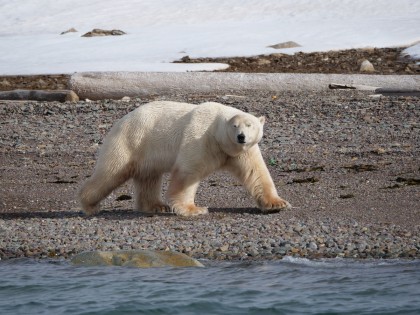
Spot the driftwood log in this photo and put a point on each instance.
(40, 95)
(377, 90)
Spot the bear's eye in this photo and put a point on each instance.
(248, 125)
(235, 126)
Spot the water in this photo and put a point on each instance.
(290, 286)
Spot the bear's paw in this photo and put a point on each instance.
(273, 204)
(158, 207)
(90, 210)
(189, 210)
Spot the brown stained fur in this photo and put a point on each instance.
(181, 193)
(189, 209)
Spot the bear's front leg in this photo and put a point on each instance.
(181, 194)
(252, 172)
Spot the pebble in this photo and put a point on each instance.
(37, 238)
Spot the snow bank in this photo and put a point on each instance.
(159, 32)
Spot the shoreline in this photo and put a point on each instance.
(219, 236)
(347, 163)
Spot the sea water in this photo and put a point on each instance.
(289, 286)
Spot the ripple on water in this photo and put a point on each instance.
(290, 286)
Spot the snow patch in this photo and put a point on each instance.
(159, 32)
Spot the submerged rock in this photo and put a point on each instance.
(135, 258)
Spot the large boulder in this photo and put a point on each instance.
(135, 258)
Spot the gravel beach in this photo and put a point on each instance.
(348, 163)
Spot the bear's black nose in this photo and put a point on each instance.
(241, 138)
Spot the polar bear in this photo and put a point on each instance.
(189, 141)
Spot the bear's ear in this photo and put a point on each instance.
(262, 120)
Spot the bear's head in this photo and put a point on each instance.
(245, 130)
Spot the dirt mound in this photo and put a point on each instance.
(384, 60)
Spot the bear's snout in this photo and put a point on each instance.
(241, 138)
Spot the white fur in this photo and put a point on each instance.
(190, 142)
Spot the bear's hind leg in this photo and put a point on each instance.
(100, 185)
(148, 194)
(181, 193)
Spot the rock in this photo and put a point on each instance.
(263, 62)
(224, 248)
(313, 246)
(278, 55)
(135, 258)
(100, 32)
(415, 67)
(186, 59)
(70, 30)
(42, 83)
(284, 45)
(5, 84)
(367, 67)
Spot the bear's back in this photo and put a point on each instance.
(160, 110)
(168, 116)
(161, 116)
